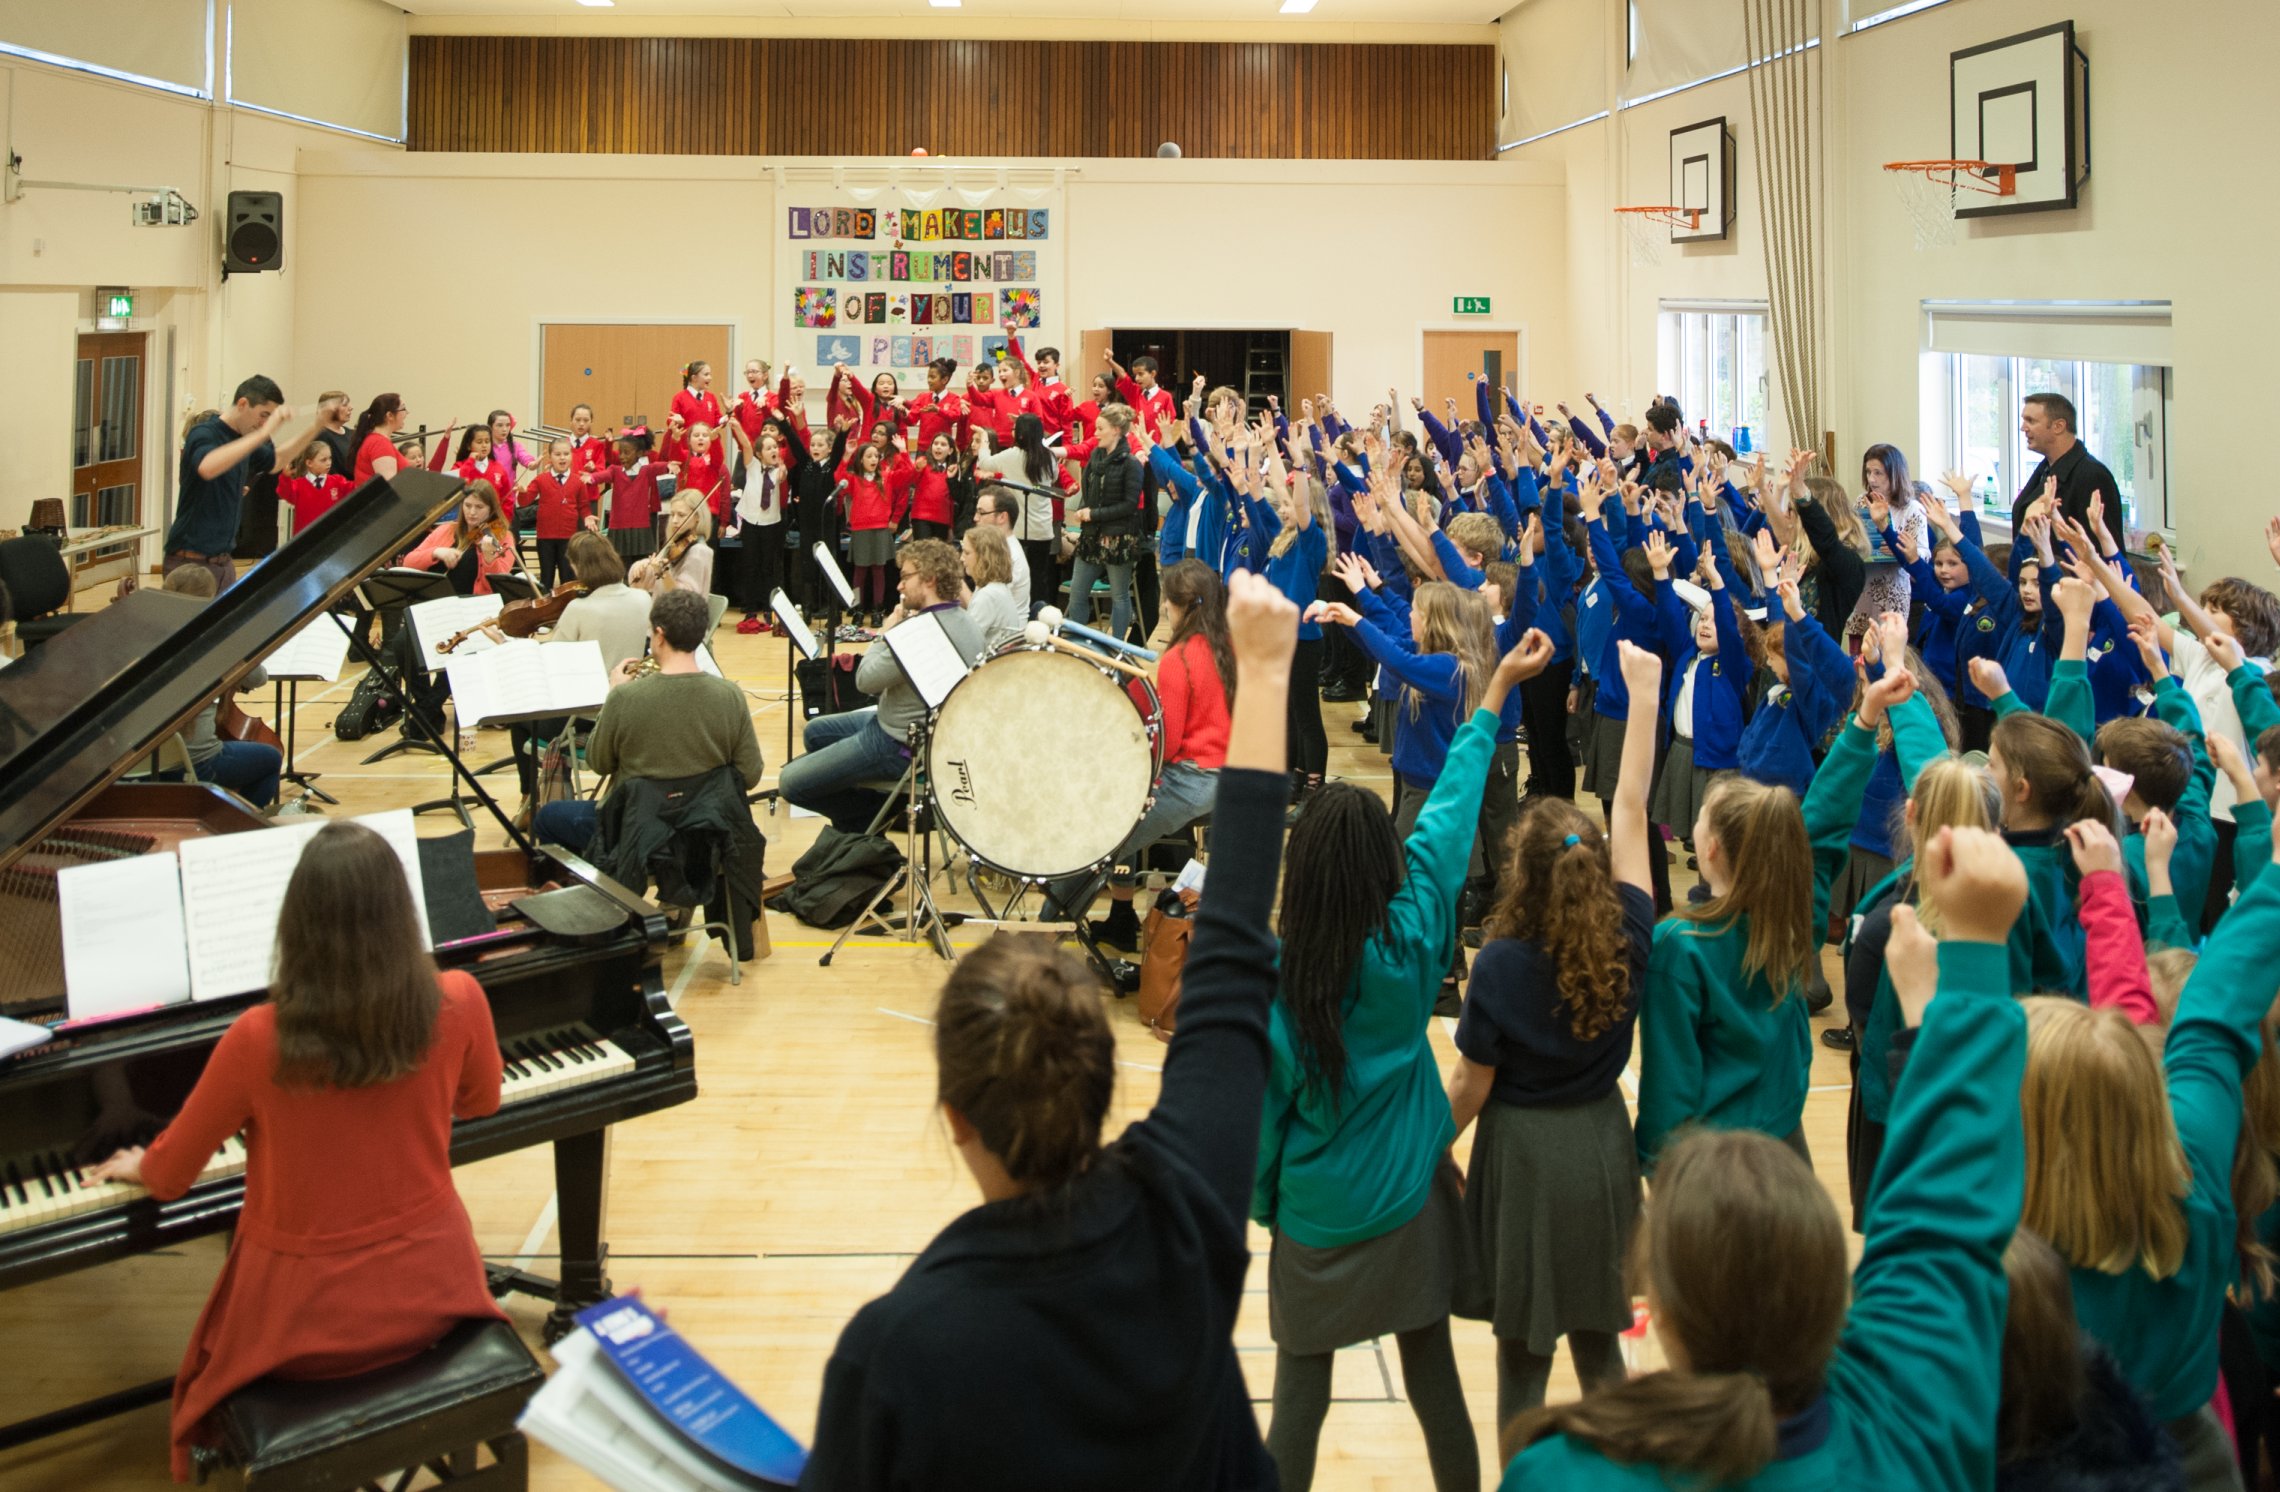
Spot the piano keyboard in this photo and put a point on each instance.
(41, 1189)
(550, 1061)
(44, 1188)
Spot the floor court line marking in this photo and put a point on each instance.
(538, 1231)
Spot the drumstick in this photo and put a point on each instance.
(1092, 657)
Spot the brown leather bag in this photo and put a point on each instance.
(1162, 964)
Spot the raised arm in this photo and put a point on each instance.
(1215, 1073)
(1628, 854)
(1924, 1337)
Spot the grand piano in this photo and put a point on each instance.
(583, 1022)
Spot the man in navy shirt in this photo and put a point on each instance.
(218, 457)
(2047, 421)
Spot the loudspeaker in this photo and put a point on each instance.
(253, 233)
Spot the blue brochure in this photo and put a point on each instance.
(692, 1395)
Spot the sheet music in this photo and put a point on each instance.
(788, 617)
(526, 680)
(233, 890)
(929, 659)
(317, 651)
(122, 935)
(21, 1036)
(435, 622)
(829, 564)
(707, 663)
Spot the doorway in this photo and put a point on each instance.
(107, 451)
(1289, 365)
(1255, 364)
(1454, 359)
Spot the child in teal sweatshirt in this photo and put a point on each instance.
(1907, 1399)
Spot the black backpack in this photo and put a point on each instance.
(375, 705)
(837, 877)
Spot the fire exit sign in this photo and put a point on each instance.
(1471, 305)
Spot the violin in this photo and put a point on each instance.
(522, 618)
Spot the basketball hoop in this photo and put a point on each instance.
(1928, 190)
(1645, 225)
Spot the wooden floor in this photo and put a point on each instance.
(796, 1187)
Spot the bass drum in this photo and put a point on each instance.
(1041, 762)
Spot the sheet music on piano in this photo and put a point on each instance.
(123, 943)
(437, 622)
(233, 891)
(524, 680)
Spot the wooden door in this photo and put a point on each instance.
(629, 372)
(106, 448)
(1311, 370)
(1449, 356)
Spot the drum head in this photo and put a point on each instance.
(1040, 763)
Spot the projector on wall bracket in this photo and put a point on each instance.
(167, 209)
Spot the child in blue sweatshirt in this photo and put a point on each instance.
(1706, 699)
(1780, 743)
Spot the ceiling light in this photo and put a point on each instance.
(597, 2)
(945, 4)
(1297, 7)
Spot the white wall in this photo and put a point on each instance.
(1370, 252)
(57, 247)
(2170, 140)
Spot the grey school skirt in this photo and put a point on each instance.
(1552, 1196)
(633, 543)
(1603, 755)
(1319, 1300)
(1862, 870)
(871, 546)
(1680, 789)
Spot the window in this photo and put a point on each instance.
(1713, 363)
(2123, 409)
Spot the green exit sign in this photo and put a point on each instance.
(119, 304)
(1472, 305)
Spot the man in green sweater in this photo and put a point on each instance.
(678, 721)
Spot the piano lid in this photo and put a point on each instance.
(84, 707)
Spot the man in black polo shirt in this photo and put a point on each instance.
(2047, 421)
(218, 456)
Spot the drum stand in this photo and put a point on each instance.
(916, 874)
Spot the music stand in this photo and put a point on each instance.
(390, 593)
(836, 579)
(514, 585)
(798, 641)
(918, 856)
(287, 680)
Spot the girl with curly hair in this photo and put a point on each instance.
(1552, 1192)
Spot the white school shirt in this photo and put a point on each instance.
(2203, 679)
(748, 509)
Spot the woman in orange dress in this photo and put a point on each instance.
(352, 1251)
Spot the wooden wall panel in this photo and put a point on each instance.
(824, 96)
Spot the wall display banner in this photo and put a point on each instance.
(890, 278)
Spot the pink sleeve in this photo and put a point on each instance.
(2115, 949)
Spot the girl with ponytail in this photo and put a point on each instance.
(1369, 1231)
(1727, 1040)
(1077, 1328)
(695, 405)
(2042, 774)
(1552, 1191)
(1774, 1381)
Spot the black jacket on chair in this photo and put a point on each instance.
(1111, 492)
(673, 831)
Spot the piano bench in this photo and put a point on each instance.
(436, 1409)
